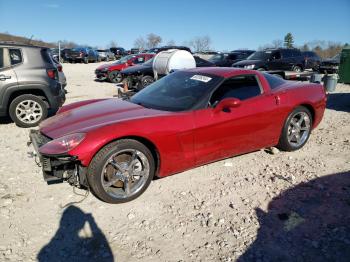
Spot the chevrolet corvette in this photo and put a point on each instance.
(114, 148)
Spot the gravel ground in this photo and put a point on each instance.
(260, 206)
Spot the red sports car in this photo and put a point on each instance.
(192, 117)
(111, 72)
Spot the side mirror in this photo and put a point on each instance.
(226, 104)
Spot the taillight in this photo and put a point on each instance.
(59, 68)
(62, 145)
(52, 73)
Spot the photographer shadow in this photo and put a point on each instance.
(72, 242)
(308, 222)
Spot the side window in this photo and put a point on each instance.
(276, 55)
(15, 56)
(1, 58)
(241, 87)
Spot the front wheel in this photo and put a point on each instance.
(296, 130)
(297, 69)
(121, 171)
(28, 110)
(114, 76)
(146, 80)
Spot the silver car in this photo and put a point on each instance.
(30, 87)
(105, 55)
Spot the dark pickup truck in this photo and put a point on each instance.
(82, 54)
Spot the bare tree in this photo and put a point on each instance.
(140, 43)
(113, 43)
(170, 42)
(277, 43)
(201, 43)
(153, 40)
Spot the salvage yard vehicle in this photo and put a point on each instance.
(288, 59)
(118, 52)
(111, 72)
(82, 54)
(105, 55)
(228, 59)
(140, 76)
(29, 83)
(189, 118)
(312, 60)
(330, 65)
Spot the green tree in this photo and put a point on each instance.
(289, 40)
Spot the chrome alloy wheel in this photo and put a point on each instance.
(29, 111)
(299, 129)
(125, 173)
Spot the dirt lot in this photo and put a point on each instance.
(255, 207)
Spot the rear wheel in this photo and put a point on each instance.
(114, 76)
(146, 80)
(296, 130)
(86, 60)
(28, 110)
(121, 171)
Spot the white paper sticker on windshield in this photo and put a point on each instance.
(201, 78)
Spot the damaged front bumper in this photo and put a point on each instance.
(57, 168)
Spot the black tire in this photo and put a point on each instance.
(107, 59)
(284, 144)
(86, 60)
(22, 99)
(114, 76)
(97, 165)
(146, 80)
(297, 68)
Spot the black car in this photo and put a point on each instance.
(82, 54)
(287, 59)
(330, 66)
(140, 76)
(312, 60)
(228, 59)
(156, 50)
(118, 52)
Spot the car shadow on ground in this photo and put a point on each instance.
(72, 242)
(339, 102)
(309, 222)
(5, 120)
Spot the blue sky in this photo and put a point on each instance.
(231, 24)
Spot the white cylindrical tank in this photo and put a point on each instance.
(173, 59)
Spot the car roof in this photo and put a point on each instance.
(225, 72)
(10, 43)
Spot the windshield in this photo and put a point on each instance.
(260, 55)
(124, 59)
(217, 58)
(179, 91)
(149, 62)
(336, 57)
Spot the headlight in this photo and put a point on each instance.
(249, 66)
(62, 145)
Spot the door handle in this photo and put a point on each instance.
(3, 77)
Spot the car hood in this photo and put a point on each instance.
(247, 62)
(93, 115)
(137, 69)
(101, 67)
